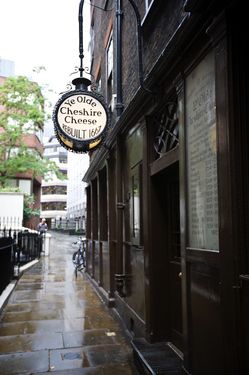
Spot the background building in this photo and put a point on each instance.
(54, 191)
(167, 195)
(7, 68)
(76, 195)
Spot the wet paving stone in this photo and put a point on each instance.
(34, 306)
(28, 278)
(97, 355)
(56, 324)
(90, 337)
(67, 359)
(27, 295)
(29, 343)
(80, 371)
(30, 286)
(24, 363)
(121, 369)
(31, 315)
(24, 328)
(54, 278)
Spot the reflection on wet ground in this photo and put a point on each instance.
(55, 323)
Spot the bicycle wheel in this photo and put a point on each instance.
(84, 258)
(76, 263)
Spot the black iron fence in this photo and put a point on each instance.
(17, 248)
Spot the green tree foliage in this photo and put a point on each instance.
(28, 207)
(22, 113)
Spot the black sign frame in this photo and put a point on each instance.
(70, 143)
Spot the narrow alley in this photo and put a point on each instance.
(55, 323)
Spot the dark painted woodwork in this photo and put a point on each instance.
(133, 251)
(93, 251)
(148, 153)
(204, 286)
(102, 204)
(89, 229)
(102, 224)
(112, 233)
(94, 214)
(101, 265)
(175, 301)
(119, 219)
(96, 261)
(239, 76)
(165, 161)
(206, 328)
(244, 326)
(134, 280)
(179, 84)
(218, 33)
(105, 269)
(166, 256)
(214, 305)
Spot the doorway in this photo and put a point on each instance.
(167, 254)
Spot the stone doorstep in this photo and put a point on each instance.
(4, 297)
(156, 358)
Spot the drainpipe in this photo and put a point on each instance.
(119, 14)
(120, 271)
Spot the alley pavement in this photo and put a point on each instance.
(55, 323)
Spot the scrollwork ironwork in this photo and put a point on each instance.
(69, 87)
(167, 136)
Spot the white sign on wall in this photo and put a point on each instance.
(202, 156)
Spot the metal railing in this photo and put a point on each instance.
(17, 247)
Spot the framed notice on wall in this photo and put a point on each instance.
(201, 151)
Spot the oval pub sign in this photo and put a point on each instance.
(81, 120)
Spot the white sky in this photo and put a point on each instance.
(42, 32)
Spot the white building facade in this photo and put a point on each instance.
(54, 191)
(76, 197)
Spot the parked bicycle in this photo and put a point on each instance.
(79, 256)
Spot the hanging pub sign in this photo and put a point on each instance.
(81, 119)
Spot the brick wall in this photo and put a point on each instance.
(157, 29)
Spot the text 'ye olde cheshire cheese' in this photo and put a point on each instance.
(82, 117)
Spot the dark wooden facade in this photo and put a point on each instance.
(167, 195)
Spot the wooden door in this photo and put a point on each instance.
(167, 256)
(174, 256)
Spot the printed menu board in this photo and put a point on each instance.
(201, 151)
